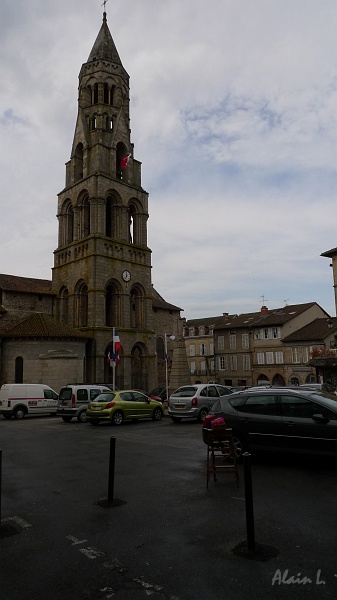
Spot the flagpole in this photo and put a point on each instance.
(166, 370)
(114, 361)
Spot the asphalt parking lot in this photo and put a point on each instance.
(167, 537)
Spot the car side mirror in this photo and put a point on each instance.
(319, 418)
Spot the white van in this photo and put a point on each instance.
(19, 399)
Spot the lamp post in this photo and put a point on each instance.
(171, 337)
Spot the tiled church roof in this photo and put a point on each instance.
(41, 325)
(13, 283)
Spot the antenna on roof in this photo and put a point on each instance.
(263, 299)
(286, 301)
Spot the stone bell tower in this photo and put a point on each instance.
(102, 265)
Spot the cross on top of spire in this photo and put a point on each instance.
(104, 3)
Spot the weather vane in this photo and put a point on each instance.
(104, 3)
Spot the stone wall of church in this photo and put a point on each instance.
(52, 362)
(27, 303)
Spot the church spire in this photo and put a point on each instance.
(104, 47)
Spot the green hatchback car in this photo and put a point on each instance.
(116, 407)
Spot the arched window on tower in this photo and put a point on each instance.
(67, 217)
(137, 307)
(135, 231)
(84, 217)
(78, 162)
(121, 152)
(81, 304)
(111, 218)
(112, 305)
(63, 305)
(109, 123)
(95, 98)
(106, 94)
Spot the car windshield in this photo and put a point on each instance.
(185, 392)
(325, 399)
(105, 397)
(65, 394)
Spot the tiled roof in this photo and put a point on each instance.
(209, 321)
(274, 317)
(159, 302)
(13, 283)
(316, 331)
(41, 325)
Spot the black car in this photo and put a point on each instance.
(282, 420)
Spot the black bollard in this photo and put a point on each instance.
(0, 483)
(249, 501)
(250, 549)
(112, 469)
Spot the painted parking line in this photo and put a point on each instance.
(18, 521)
(91, 553)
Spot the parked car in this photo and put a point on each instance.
(74, 400)
(159, 393)
(283, 420)
(195, 401)
(319, 387)
(116, 407)
(20, 399)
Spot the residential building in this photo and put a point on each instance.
(250, 348)
(199, 343)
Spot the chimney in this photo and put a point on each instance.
(264, 310)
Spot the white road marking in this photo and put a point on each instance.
(91, 553)
(75, 540)
(21, 522)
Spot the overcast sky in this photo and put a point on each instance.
(233, 116)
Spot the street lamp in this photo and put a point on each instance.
(171, 337)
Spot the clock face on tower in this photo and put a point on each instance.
(126, 275)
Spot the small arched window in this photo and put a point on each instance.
(78, 162)
(111, 218)
(19, 369)
(106, 94)
(95, 99)
(85, 218)
(112, 305)
(69, 224)
(63, 306)
(136, 308)
(81, 306)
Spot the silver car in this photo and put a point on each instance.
(195, 401)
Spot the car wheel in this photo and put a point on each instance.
(19, 413)
(240, 446)
(82, 417)
(157, 414)
(117, 417)
(176, 419)
(202, 414)
(66, 419)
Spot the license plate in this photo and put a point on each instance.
(180, 406)
(96, 408)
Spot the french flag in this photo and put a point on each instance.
(124, 161)
(117, 343)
